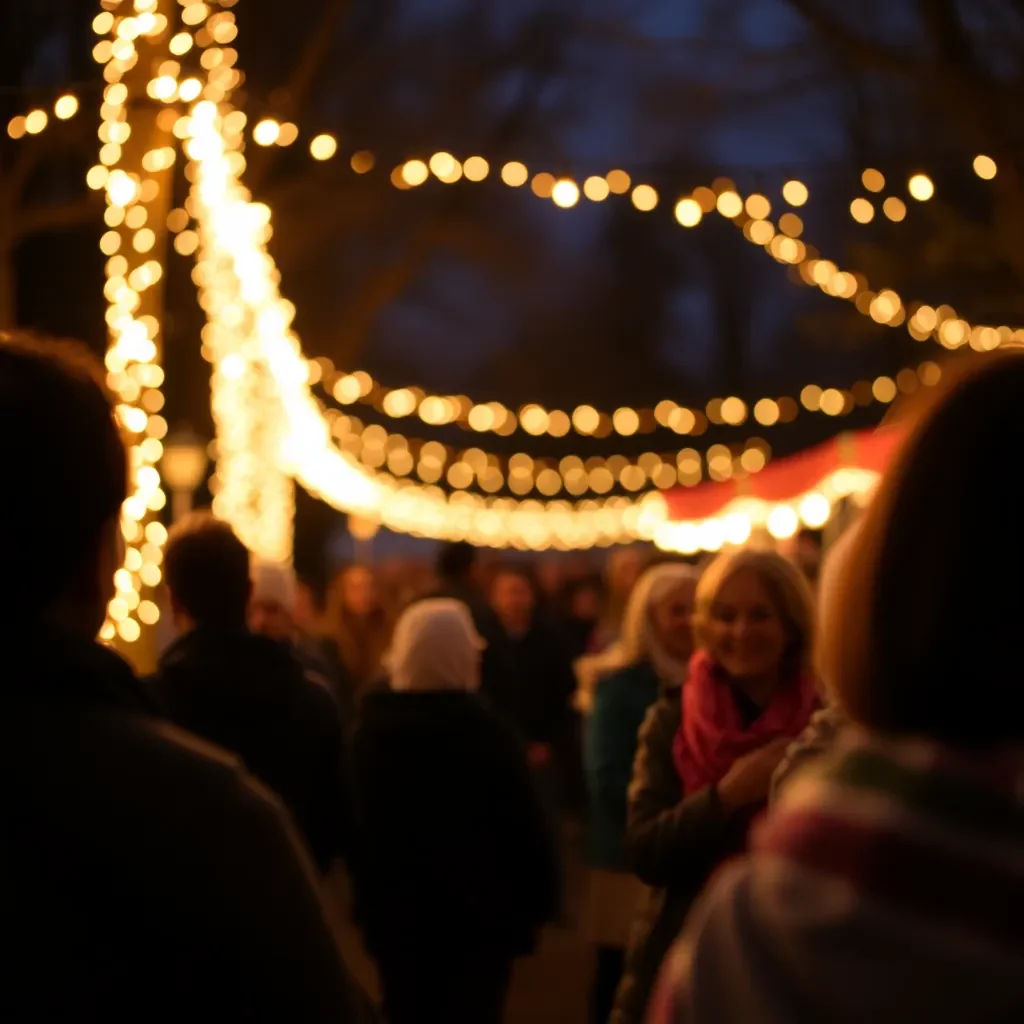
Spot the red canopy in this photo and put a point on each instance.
(788, 478)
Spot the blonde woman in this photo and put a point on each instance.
(704, 762)
(650, 658)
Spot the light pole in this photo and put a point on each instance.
(183, 466)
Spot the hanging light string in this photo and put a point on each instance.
(132, 183)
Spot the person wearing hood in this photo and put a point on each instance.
(248, 693)
(455, 871)
(649, 659)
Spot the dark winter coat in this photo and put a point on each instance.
(143, 874)
(537, 684)
(621, 700)
(453, 848)
(250, 695)
(673, 845)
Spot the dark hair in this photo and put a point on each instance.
(64, 465)
(207, 571)
(925, 636)
(455, 560)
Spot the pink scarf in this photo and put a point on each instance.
(712, 736)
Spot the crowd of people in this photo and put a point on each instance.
(802, 781)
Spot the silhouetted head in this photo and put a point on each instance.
(65, 479)
(925, 630)
(206, 568)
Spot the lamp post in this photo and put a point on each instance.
(183, 466)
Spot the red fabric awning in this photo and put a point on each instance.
(788, 478)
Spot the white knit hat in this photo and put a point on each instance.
(274, 581)
(435, 647)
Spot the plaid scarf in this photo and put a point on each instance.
(887, 884)
(916, 827)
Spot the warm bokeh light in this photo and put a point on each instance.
(894, 208)
(266, 132)
(921, 187)
(596, 189)
(984, 167)
(415, 172)
(795, 193)
(688, 212)
(645, 198)
(618, 182)
(758, 206)
(873, 180)
(476, 168)
(66, 107)
(514, 174)
(729, 204)
(862, 210)
(323, 147)
(565, 193)
(36, 121)
(543, 185)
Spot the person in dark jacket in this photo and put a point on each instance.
(705, 761)
(143, 873)
(540, 680)
(455, 872)
(249, 693)
(650, 658)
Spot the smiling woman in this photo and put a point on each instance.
(705, 761)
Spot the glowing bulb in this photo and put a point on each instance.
(323, 147)
(565, 193)
(872, 180)
(476, 168)
(121, 188)
(180, 44)
(862, 211)
(596, 189)
(66, 107)
(645, 198)
(266, 132)
(688, 212)
(984, 167)
(782, 522)
(921, 187)
(795, 193)
(618, 182)
(514, 174)
(36, 122)
(414, 172)
(729, 204)
(894, 208)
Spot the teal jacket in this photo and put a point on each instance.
(620, 704)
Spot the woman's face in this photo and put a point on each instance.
(359, 592)
(672, 618)
(746, 634)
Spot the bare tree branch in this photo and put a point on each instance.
(318, 47)
(854, 47)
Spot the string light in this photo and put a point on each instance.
(135, 182)
(270, 426)
(984, 167)
(920, 187)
